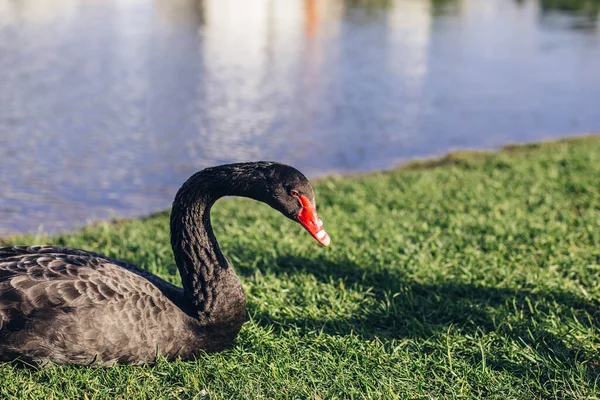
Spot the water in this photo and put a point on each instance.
(106, 107)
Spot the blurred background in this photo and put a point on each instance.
(107, 106)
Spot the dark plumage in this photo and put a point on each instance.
(71, 306)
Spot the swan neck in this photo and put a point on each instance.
(208, 280)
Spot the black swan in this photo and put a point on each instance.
(70, 306)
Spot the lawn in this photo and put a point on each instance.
(471, 276)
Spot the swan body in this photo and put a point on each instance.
(71, 306)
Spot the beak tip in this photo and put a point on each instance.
(325, 239)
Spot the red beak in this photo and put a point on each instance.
(308, 218)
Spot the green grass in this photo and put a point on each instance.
(472, 276)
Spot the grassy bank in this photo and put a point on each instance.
(475, 275)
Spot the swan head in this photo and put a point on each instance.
(290, 192)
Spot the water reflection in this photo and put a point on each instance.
(107, 106)
(445, 7)
(578, 7)
(582, 14)
(180, 14)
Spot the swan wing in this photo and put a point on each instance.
(33, 278)
(53, 299)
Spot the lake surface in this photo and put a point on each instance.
(106, 107)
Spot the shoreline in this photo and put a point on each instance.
(458, 157)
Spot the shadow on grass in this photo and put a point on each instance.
(409, 310)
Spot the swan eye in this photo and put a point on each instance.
(294, 193)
